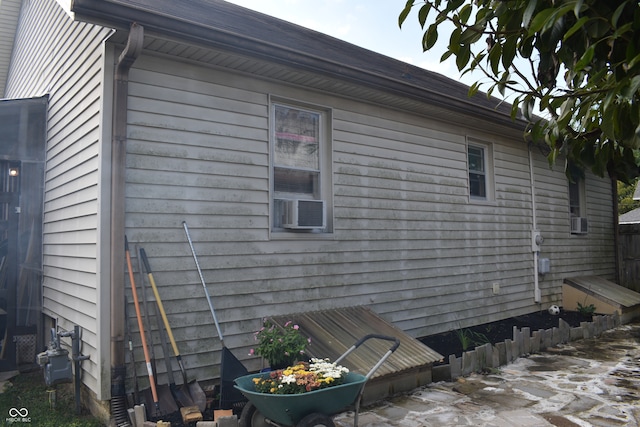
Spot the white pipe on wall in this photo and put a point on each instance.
(537, 297)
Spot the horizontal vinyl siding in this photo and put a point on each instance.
(407, 242)
(64, 59)
(9, 13)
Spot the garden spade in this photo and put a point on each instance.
(188, 394)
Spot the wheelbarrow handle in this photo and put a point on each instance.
(395, 340)
(394, 347)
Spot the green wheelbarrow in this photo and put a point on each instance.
(311, 409)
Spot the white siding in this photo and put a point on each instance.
(9, 12)
(64, 59)
(406, 240)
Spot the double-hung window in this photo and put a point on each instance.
(480, 166)
(301, 168)
(577, 206)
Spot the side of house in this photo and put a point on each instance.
(54, 55)
(429, 198)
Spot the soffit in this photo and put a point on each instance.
(203, 55)
(240, 39)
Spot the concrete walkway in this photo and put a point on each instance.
(593, 382)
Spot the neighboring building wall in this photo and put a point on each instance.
(56, 56)
(407, 241)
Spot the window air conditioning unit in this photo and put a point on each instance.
(578, 225)
(304, 214)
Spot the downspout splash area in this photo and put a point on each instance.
(118, 157)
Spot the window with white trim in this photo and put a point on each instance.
(577, 206)
(480, 167)
(300, 168)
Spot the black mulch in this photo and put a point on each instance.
(448, 343)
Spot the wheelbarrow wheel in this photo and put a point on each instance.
(316, 420)
(251, 417)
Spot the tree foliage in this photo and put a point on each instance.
(576, 61)
(625, 197)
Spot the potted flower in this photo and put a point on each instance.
(281, 346)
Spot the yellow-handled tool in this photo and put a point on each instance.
(195, 392)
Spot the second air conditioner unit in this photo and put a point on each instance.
(579, 225)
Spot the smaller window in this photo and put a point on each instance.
(477, 173)
(577, 206)
(574, 198)
(480, 171)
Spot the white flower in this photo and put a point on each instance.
(288, 379)
(327, 369)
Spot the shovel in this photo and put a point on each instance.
(165, 396)
(194, 395)
(136, 303)
(230, 367)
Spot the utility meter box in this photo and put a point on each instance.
(536, 240)
(57, 370)
(544, 266)
(55, 362)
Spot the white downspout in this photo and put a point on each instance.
(536, 237)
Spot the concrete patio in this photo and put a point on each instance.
(589, 382)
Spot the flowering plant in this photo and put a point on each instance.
(302, 378)
(280, 345)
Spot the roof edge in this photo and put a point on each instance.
(121, 13)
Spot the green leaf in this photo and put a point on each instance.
(515, 108)
(632, 89)
(454, 41)
(577, 26)
(577, 9)
(462, 59)
(617, 13)
(405, 12)
(430, 37)
(473, 89)
(540, 20)
(495, 54)
(528, 13)
(509, 51)
(608, 124)
(454, 4)
(423, 13)
(465, 13)
(586, 58)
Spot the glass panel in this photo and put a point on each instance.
(296, 181)
(297, 136)
(574, 199)
(477, 187)
(476, 159)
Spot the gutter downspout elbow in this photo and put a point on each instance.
(118, 167)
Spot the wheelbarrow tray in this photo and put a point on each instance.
(289, 409)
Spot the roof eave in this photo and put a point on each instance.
(120, 16)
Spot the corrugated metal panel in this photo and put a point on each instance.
(333, 332)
